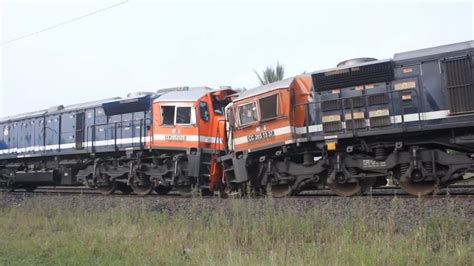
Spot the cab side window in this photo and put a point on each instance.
(247, 113)
(204, 111)
(167, 115)
(268, 107)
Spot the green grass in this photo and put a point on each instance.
(45, 233)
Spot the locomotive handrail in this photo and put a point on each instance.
(306, 105)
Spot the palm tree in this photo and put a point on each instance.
(270, 74)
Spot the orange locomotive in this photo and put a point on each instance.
(191, 121)
(264, 122)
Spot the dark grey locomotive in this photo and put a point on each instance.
(411, 117)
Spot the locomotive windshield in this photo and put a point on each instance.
(167, 113)
(183, 115)
(176, 115)
(248, 113)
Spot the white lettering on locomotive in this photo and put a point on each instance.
(373, 164)
(261, 135)
(175, 137)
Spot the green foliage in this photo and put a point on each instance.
(271, 74)
(50, 232)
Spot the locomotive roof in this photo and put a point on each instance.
(192, 94)
(350, 66)
(434, 50)
(67, 108)
(87, 104)
(23, 116)
(285, 83)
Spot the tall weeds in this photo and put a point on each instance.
(245, 233)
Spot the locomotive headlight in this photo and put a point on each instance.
(5, 131)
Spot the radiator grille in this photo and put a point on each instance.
(380, 121)
(332, 126)
(459, 85)
(358, 123)
(378, 99)
(353, 76)
(330, 105)
(356, 101)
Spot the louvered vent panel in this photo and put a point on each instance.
(353, 76)
(378, 99)
(358, 123)
(380, 121)
(356, 102)
(459, 85)
(330, 105)
(332, 126)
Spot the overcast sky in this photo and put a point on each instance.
(146, 45)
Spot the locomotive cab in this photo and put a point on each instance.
(261, 122)
(189, 130)
(269, 115)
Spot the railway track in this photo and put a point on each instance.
(458, 191)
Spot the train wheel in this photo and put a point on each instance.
(346, 189)
(142, 185)
(163, 190)
(107, 188)
(185, 191)
(342, 187)
(143, 189)
(418, 188)
(280, 191)
(126, 190)
(415, 184)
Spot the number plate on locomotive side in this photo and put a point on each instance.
(175, 137)
(261, 135)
